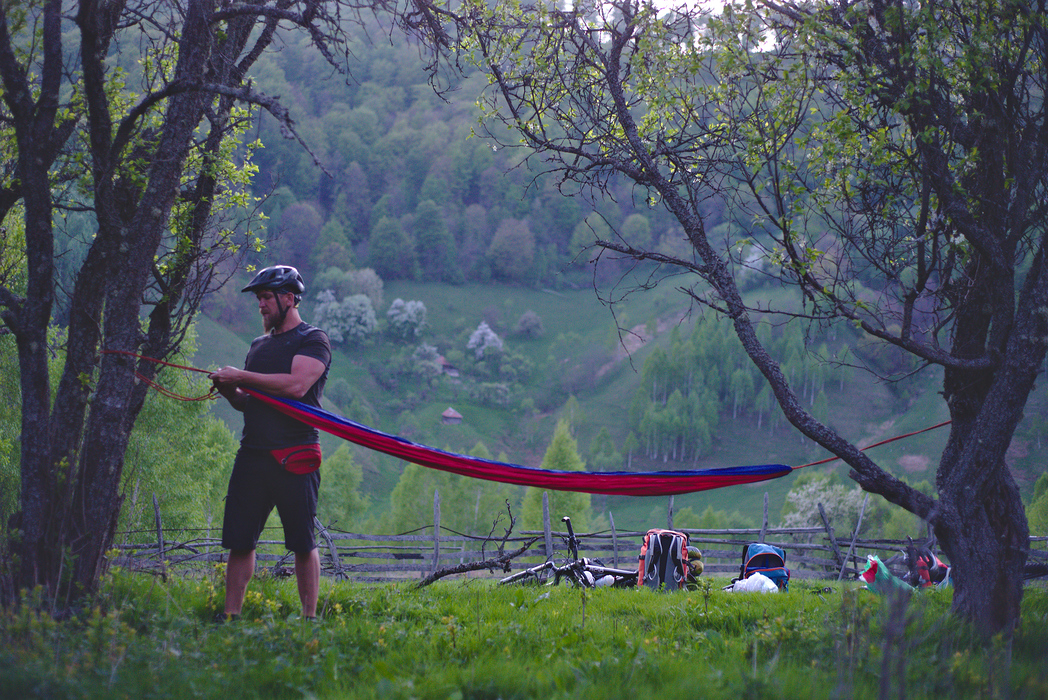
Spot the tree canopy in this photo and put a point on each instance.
(885, 159)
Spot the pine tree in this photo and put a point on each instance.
(603, 455)
(562, 455)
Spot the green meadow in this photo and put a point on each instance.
(144, 638)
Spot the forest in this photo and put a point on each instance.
(443, 266)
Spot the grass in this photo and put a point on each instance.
(471, 639)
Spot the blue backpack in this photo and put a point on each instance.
(766, 559)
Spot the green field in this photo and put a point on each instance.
(471, 639)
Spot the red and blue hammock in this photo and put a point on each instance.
(658, 483)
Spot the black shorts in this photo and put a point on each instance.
(257, 484)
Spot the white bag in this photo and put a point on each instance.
(756, 583)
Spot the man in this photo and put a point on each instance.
(278, 458)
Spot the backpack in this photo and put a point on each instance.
(923, 568)
(768, 560)
(663, 560)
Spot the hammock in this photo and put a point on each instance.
(659, 483)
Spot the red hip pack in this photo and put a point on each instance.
(299, 459)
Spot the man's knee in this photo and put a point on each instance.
(241, 555)
(308, 556)
(241, 564)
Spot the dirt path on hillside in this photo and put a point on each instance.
(632, 340)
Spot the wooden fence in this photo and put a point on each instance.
(812, 552)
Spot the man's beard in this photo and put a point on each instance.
(270, 321)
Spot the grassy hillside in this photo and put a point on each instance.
(397, 151)
(581, 354)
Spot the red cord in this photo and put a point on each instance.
(877, 444)
(163, 390)
(154, 360)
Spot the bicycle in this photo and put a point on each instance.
(579, 572)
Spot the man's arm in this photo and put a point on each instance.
(305, 371)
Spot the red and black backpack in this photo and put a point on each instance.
(663, 562)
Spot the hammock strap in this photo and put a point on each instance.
(878, 444)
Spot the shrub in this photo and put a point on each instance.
(483, 339)
(529, 325)
(351, 320)
(407, 319)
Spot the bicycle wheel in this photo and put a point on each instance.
(574, 573)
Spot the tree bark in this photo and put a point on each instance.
(113, 410)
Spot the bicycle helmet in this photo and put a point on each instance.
(695, 565)
(278, 278)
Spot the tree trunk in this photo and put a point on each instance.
(29, 318)
(72, 453)
(114, 408)
(986, 539)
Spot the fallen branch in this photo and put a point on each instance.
(500, 561)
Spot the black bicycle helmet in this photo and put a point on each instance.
(279, 278)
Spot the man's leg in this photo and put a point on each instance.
(307, 572)
(239, 570)
(247, 507)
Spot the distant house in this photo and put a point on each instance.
(450, 417)
(448, 368)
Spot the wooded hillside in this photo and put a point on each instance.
(411, 193)
(414, 211)
(420, 232)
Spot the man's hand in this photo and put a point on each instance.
(227, 377)
(227, 381)
(305, 371)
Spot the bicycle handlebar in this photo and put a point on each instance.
(573, 542)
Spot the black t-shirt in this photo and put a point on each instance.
(264, 426)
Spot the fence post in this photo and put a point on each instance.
(159, 539)
(855, 536)
(614, 541)
(764, 525)
(669, 514)
(833, 538)
(436, 530)
(545, 525)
